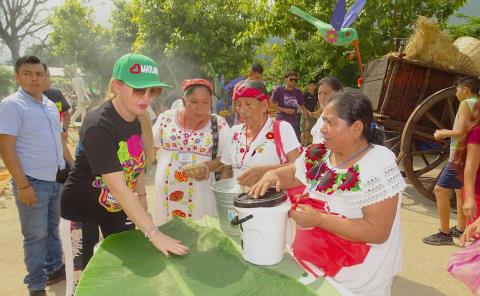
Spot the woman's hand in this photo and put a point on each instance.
(470, 231)
(469, 207)
(251, 176)
(167, 245)
(269, 179)
(306, 216)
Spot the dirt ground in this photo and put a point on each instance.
(424, 271)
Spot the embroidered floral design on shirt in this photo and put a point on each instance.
(132, 158)
(179, 213)
(269, 136)
(326, 179)
(351, 180)
(176, 196)
(181, 176)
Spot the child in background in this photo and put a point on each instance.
(467, 93)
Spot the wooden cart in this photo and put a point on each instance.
(412, 100)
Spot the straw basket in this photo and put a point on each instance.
(469, 61)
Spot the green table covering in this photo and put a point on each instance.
(128, 264)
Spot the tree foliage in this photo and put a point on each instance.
(20, 19)
(7, 82)
(188, 34)
(470, 28)
(77, 39)
(379, 25)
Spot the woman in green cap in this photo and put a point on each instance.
(106, 188)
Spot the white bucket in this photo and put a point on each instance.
(263, 234)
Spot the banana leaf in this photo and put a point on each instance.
(128, 264)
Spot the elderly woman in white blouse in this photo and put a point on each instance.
(258, 144)
(348, 224)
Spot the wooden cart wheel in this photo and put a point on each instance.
(421, 155)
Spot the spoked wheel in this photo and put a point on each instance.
(422, 156)
(393, 140)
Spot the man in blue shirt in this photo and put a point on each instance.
(31, 149)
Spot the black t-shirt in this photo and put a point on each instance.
(56, 96)
(107, 144)
(310, 101)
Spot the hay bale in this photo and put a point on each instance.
(432, 46)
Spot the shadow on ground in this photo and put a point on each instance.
(415, 202)
(404, 287)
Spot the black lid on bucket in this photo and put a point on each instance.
(271, 198)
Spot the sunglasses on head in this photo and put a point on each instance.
(141, 92)
(293, 79)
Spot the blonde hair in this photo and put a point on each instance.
(145, 125)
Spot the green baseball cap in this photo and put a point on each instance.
(137, 71)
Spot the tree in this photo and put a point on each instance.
(77, 39)
(46, 53)
(378, 26)
(20, 19)
(124, 31)
(470, 28)
(186, 35)
(7, 82)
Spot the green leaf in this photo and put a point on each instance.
(128, 264)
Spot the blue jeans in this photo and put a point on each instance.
(41, 242)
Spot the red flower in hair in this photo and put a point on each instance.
(270, 135)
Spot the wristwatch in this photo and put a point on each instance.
(64, 129)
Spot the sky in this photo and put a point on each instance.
(102, 10)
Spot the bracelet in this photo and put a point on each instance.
(64, 129)
(25, 187)
(142, 195)
(150, 232)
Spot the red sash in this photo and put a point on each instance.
(325, 249)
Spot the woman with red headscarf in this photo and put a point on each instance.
(258, 144)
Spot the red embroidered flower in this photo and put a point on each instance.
(242, 150)
(350, 180)
(308, 166)
(178, 213)
(235, 136)
(270, 135)
(327, 180)
(315, 170)
(176, 196)
(181, 176)
(315, 152)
